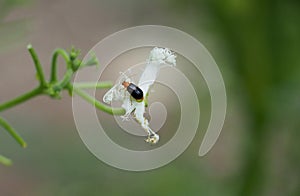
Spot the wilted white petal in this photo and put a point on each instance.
(129, 106)
(117, 92)
(157, 58)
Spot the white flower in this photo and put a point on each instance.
(157, 58)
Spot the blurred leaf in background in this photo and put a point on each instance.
(263, 38)
(11, 32)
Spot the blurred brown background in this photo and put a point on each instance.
(256, 45)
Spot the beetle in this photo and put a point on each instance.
(134, 91)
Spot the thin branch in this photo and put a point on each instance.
(5, 161)
(12, 132)
(65, 55)
(96, 103)
(92, 85)
(38, 66)
(21, 98)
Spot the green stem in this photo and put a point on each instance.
(54, 88)
(20, 99)
(66, 79)
(5, 161)
(12, 132)
(64, 54)
(38, 66)
(91, 85)
(96, 103)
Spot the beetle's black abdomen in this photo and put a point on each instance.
(135, 91)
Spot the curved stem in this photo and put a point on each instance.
(12, 132)
(21, 99)
(96, 103)
(38, 66)
(64, 54)
(66, 79)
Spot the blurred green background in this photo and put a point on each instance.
(256, 45)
